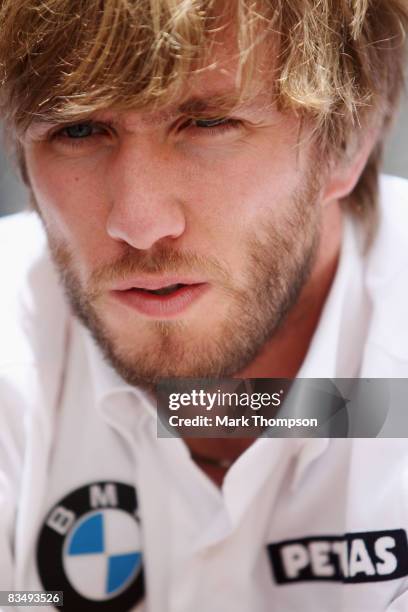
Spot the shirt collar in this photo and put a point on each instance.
(116, 401)
(338, 342)
(106, 382)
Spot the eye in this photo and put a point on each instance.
(215, 125)
(81, 135)
(79, 130)
(212, 127)
(211, 123)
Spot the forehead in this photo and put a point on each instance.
(213, 89)
(211, 92)
(227, 72)
(208, 78)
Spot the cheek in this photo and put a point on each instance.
(242, 191)
(69, 196)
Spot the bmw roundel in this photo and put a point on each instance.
(90, 548)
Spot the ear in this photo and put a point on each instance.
(344, 174)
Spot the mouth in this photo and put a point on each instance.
(169, 290)
(161, 301)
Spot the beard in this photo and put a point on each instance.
(279, 259)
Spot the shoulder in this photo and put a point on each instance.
(387, 258)
(22, 243)
(386, 268)
(394, 188)
(32, 307)
(33, 324)
(393, 217)
(21, 251)
(22, 248)
(24, 224)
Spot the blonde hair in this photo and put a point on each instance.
(338, 62)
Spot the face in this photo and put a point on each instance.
(182, 243)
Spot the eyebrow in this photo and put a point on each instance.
(209, 103)
(196, 106)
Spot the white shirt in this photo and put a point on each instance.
(299, 524)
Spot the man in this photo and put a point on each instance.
(205, 177)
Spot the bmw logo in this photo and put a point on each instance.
(90, 548)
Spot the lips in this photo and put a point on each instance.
(156, 283)
(159, 299)
(163, 290)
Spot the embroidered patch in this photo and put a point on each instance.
(90, 548)
(369, 556)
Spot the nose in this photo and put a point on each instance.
(145, 206)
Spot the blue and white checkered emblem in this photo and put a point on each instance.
(90, 548)
(109, 541)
